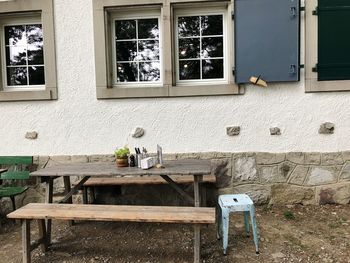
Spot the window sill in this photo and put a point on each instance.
(313, 85)
(203, 90)
(28, 95)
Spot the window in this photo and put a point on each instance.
(162, 48)
(327, 60)
(137, 51)
(200, 48)
(27, 51)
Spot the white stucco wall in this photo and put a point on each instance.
(78, 123)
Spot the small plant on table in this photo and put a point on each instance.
(122, 156)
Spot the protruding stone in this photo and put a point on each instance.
(332, 158)
(31, 135)
(260, 194)
(245, 169)
(296, 157)
(271, 174)
(334, 194)
(323, 175)
(275, 131)
(282, 194)
(326, 128)
(233, 130)
(138, 132)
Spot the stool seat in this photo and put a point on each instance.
(236, 203)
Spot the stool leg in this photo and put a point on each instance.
(225, 227)
(255, 229)
(218, 222)
(246, 222)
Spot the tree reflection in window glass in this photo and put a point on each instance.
(24, 55)
(137, 50)
(200, 47)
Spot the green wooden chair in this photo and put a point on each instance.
(11, 189)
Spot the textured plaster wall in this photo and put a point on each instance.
(78, 123)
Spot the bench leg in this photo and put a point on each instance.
(13, 201)
(26, 241)
(42, 235)
(85, 195)
(48, 199)
(197, 243)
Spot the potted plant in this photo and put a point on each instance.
(121, 155)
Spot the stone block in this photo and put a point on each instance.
(79, 159)
(296, 157)
(138, 132)
(222, 169)
(346, 156)
(326, 128)
(214, 155)
(345, 173)
(275, 131)
(323, 175)
(271, 174)
(233, 130)
(299, 174)
(260, 194)
(334, 194)
(312, 158)
(265, 158)
(102, 158)
(182, 156)
(284, 194)
(245, 170)
(332, 158)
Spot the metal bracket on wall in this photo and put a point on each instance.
(302, 66)
(315, 68)
(233, 15)
(315, 12)
(233, 71)
(302, 8)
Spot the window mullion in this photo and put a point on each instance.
(137, 50)
(200, 47)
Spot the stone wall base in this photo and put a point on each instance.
(308, 178)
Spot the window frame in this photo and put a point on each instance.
(23, 12)
(130, 16)
(14, 22)
(201, 12)
(311, 55)
(102, 13)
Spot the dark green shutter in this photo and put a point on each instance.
(333, 39)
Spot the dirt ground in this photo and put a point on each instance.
(287, 234)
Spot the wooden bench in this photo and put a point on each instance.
(155, 214)
(141, 180)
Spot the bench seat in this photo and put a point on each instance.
(155, 214)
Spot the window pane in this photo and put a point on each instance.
(35, 55)
(125, 29)
(15, 35)
(34, 34)
(148, 28)
(212, 47)
(126, 50)
(148, 50)
(213, 69)
(189, 69)
(36, 76)
(212, 25)
(149, 71)
(16, 56)
(189, 48)
(188, 26)
(127, 72)
(16, 76)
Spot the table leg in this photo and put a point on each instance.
(197, 243)
(197, 191)
(26, 241)
(48, 199)
(67, 187)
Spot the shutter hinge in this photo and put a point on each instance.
(302, 66)
(315, 68)
(315, 12)
(233, 71)
(302, 8)
(233, 15)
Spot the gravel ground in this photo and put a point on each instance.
(287, 234)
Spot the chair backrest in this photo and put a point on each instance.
(15, 161)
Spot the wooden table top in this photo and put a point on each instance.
(178, 167)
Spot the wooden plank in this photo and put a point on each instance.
(145, 180)
(74, 190)
(13, 160)
(161, 214)
(26, 241)
(178, 189)
(179, 167)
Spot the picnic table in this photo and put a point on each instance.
(196, 168)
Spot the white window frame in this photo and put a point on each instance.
(17, 22)
(202, 12)
(130, 15)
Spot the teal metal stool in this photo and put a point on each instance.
(236, 203)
